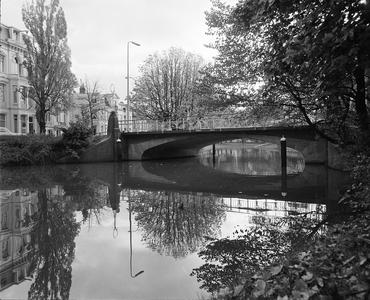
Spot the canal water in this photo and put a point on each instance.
(132, 230)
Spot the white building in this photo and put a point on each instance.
(16, 112)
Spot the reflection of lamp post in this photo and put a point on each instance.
(283, 167)
(130, 221)
(128, 82)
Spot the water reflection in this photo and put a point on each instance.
(251, 158)
(175, 224)
(175, 208)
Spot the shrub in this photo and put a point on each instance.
(76, 139)
(45, 149)
(28, 150)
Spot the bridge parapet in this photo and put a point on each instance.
(197, 124)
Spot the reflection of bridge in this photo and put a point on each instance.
(256, 208)
(154, 140)
(269, 208)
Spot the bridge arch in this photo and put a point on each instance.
(186, 144)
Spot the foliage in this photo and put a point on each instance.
(48, 59)
(166, 89)
(309, 59)
(52, 241)
(336, 266)
(36, 149)
(76, 139)
(29, 150)
(230, 261)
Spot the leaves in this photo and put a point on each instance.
(48, 59)
(310, 57)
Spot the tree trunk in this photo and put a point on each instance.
(41, 118)
(360, 99)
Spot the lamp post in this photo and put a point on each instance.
(113, 90)
(128, 82)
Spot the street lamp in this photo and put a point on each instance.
(113, 90)
(128, 82)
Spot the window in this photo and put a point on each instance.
(15, 123)
(5, 249)
(2, 63)
(2, 120)
(16, 35)
(30, 125)
(16, 61)
(2, 92)
(4, 220)
(15, 94)
(23, 124)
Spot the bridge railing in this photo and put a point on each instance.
(192, 124)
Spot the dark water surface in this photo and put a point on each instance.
(132, 230)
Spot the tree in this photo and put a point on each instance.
(177, 223)
(166, 89)
(53, 247)
(90, 105)
(310, 57)
(48, 59)
(229, 261)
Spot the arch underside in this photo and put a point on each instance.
(190, 146)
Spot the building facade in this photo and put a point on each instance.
(17, 113)
(96, 108)
(15, 209)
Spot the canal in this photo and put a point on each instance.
(132, 230)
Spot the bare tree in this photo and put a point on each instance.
(90, 101)
(166, 89)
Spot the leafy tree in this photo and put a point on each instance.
(76, 139)
(309, 59)
(166, 89)
(52, 242)
(48, 59)
(228, 261)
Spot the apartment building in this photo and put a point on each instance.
(17, 113)
(16, 208)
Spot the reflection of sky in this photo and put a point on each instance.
(101, 268)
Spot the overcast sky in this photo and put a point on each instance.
(99, 30)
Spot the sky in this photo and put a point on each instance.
(100, 30)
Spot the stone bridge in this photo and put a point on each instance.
(128, 146)
(181, 143)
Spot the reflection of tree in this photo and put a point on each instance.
(52, 241)
(89, 194)
(230, 260)
(176, 224)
